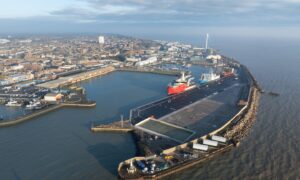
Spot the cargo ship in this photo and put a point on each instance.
(228, 72)
(207, 77)
(182, 84)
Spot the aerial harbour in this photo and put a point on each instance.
(219, 103)
(173, 139)
(200, 116)
(134, 89)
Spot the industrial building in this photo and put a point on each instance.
(147, 61)
(53, 97)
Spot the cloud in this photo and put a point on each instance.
(170, 12)
(183, 11)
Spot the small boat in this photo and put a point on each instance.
(188, 65)
(274, 94)
(13, 103)
(34, 105)
(207, 77)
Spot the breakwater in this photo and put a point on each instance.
(242, 127)
(44, 111)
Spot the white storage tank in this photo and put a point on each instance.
(210, 142)
(200, 147)
(219, 139)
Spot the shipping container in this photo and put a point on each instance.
(210, 142)
(219, 139)
(200, 147)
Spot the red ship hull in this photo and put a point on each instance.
(176, 90)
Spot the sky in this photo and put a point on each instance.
(235, 17)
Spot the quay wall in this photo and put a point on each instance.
(93, 104)
(68, 80)
(91, 74)
(153, 71)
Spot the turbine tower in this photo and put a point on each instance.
(206, 41)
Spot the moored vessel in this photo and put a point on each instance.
(228, 72)
(207, 77)
(34, 105)
(182, 84)
(13, 103)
